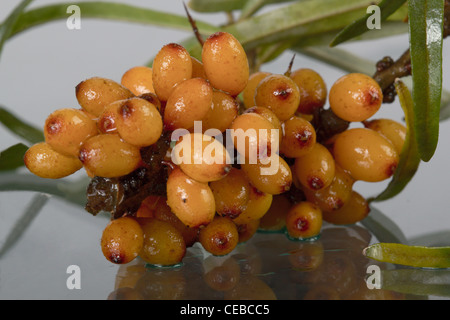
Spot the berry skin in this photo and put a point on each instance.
(107, 121)
(365, 154)
(280, 94)
(257, 206)
(315, 170)
(163, 244)
(171, 66)
(231, 193)
(273, 177)
(313, 90)
(108, 156)
(219, 237)
(355, 97)
(392, 130)
(138, 80)
(201, 157)
(304, 220)
(269, 115)
(248, 95)
(254, 136)
(274, 220)
(122, 240)
(45, 162)
(139, 122)
(225, 63)
(299, 137)
(66, 129)
(355, 210)
(191, 201)
(223, 111)
(190, 101)
(198, 71)
(94, 94)
(336, 195)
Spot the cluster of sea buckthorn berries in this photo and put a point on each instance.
(278, 175)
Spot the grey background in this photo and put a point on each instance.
(39, 70)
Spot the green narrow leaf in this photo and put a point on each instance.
(339, 58)
(296, 21)
(445, 106)
(65, 189)
(252, 6)
(409, 156)
(12, 158)
(417, 281)
(7, 26)
(110, 11)
(358, 27)
(20, 127)
(425, 24)
(216, 5)
(31, 212)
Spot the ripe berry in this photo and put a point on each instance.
(258, 204)
(95, 93)
(299, 137)
(392, 130)
(355, 210)
(122, 240)
(313, 90)
(163, 244)
(315, 170)
(280, 94)
(171, 66)
(304, 220)
(190, 101)
(108, 156)
(202, 157)
(254, 136)
(248, 95)
(66, 129)
(191, 201)
(224, 110)
(273, 176)
(139, 122)
(231, 193)
(219, 237)
(355, 97)
(225, 63)
(365, 154)
(43, 161)
(138, 80)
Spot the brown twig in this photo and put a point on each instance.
(388, 70)
(194, 26)
(289, 69)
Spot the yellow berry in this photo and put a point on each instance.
(66, 129)
(122, 240)
(313, 90)
(171, 66)
(139, 122)
(365, 154)
(225, 63)
(45, 162)
(94, 94)
(304, 220)
(138, 80)
(191, 201)
(355, 97)
(108, 156)
(280, 94)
